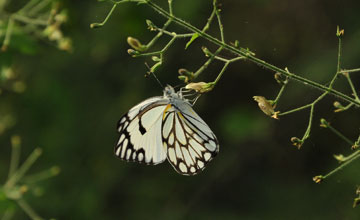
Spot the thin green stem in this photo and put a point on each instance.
(46, 174)
(341, 108)
(40, 6)
(227, 62)
(97, 25)
(327, 125)
(24, 167)
(314, 102)
(295, 110)
(28, 210)
(352, 86)
(167, 23)
(207, 25)
(206, 64)
(280, 93)
(308, 129)
(29, 5)
(15, 155)
(172, 34)
(245, 53)
(28, 20)
(8, 34)
(223, 59)
(338, 69)
(357, 143)
(158, 35)
(221, 27)
(350, 71)
(170, 7)
(355, 156)
(344, 159)
(221, 72)
(166, 47)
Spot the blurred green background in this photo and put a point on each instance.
(72, 103)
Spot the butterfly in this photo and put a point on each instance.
(166, 127)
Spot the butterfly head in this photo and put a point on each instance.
(169, 92)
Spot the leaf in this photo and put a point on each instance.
(194, 36)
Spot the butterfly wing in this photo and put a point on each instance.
(190, 142)
(139, 129)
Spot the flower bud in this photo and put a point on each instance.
(135, 44)
(183, 78)
(132, 52)
(318, 179)
(324, 123)
(206, 51)
(339, 107)
(280, 78)
(155, 59)
(266, 106)
(340, 158)
(297, 142)
(151, 25)
(188, 76)
(200, 87)
(339, 32)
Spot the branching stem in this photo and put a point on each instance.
(245, 53)
(350, 159)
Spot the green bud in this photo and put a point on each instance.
(324, 123)
(132, 52)
(151, 25)
(318, 179)
(206, 51)
(135, 44)
(297, 142)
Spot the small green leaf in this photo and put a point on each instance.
(194, 36)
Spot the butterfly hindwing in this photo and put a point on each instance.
(139, 129)
(190, 142)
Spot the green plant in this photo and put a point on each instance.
(282, 76)
(17, 184)
(21, 22)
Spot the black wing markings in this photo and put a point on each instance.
(122, 148)
(198, 161)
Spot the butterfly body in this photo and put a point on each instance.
(166, 127)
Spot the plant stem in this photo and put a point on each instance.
(243, 52)
(24, 167)
(339, 134)
(279, 94)
(227, 62)
(206, 64)
(28, 210)
(15, 155)
(28, 20)
(352, 86)
(97, 25)
(221, 27)
(8, 34)
(353, 157)
(46, 174)
(350, 71)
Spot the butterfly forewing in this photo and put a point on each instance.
(139, 129)
(190, 142)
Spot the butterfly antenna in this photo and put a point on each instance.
(153, 74)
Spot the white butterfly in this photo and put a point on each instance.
(166, 127)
